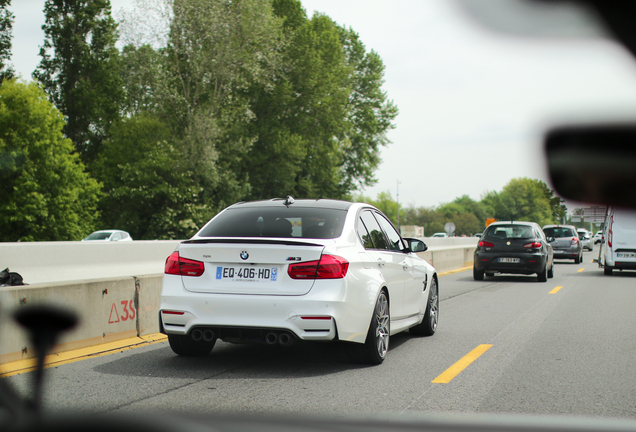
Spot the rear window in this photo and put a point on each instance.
(277, 222)
(559, 232)
(509, 232)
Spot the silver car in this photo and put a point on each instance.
(586, 239)
(566, 243)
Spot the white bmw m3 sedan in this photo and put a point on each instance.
(284, 270)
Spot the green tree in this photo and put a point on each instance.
(147, 189)
(428, 217)
(45, 194)
(370, 114)
(80, 69)
(558, 209)
(217, 51)
(6, 27)
(298, 122)
(320, 127)
(521, 199)
(140, 68)
(467, 224)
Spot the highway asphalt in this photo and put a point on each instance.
(508, 344)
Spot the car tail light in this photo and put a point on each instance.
(486, 244)
(328, 267)
(176, 265)
(533, 245)
(610, 234)
(575, 240)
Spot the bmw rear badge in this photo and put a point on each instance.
(508, 243)
(244, 255)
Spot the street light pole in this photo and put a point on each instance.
(397, 200)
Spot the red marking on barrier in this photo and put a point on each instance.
(110, 318)
(125, 305)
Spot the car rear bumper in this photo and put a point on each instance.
(330, 311)
(528, 264)
(569, 253)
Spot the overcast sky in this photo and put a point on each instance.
(473, 104)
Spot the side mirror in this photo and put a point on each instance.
(550, 239)
(594, 164)
(416, 245)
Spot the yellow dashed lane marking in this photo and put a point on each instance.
(580, 270)
(556, 290)
(450, 373)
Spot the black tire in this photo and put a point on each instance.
(490, 274)
(376, 346)
(428, 326)
(551, 271)
(607, 270)
(542, 276)
(577, 260)
(478, 275)
(183, 345)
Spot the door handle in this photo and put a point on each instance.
(404, 265)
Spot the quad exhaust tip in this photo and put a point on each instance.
(205, 335)
(282, 338)
(271, 338)
(285, 339)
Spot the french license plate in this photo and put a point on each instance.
(247, 274)
(509, 260)
(625, 255)
(556, 251)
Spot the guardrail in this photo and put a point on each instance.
(115, 288)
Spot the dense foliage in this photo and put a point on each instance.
(44, 192)
(521, 199)
(79, 69)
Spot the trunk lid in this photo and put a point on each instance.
(514, 246)
(259, 267)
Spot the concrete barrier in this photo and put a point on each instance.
(108, 310)
(449, 253)
(114, 308)
(445, 259)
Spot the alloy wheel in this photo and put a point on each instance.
(433, 307)
(382, 329)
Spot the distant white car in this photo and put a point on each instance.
(109, 235)
(598, 237)
(440, 234)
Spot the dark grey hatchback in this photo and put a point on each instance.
(516, 248)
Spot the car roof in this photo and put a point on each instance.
(315, 203)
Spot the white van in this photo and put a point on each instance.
(618, 248)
